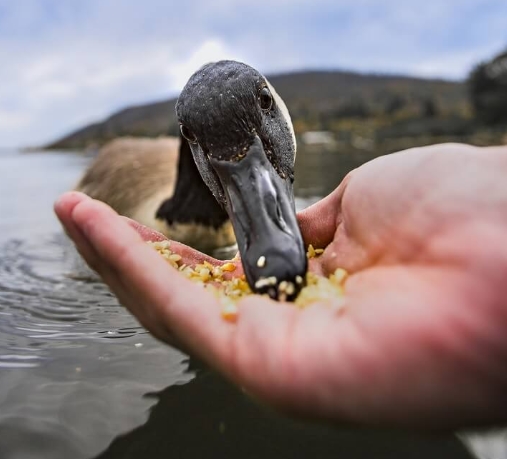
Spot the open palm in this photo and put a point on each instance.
(422, 339)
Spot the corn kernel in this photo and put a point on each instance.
(229, 267)
(318, 289)
(261, 262)
(230, 312)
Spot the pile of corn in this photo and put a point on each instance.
(229, 291)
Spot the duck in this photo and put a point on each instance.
(233, 181)
(155, 182)
(242, 140)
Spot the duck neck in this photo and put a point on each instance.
(192, 201)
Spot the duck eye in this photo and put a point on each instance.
(187, 133)
(265, 98)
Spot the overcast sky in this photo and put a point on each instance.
(65, 63)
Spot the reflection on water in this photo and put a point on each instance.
(79, 378)
(208, 418)
(319, 171)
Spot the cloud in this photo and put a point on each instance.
(14, 120)
(71, 63)
(209, 51)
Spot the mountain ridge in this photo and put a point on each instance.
(316, 99)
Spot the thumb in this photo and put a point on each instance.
(318, 222)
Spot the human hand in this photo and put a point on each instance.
(422, 337)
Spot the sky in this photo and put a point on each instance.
(67, 63)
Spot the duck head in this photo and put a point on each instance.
(243, 143)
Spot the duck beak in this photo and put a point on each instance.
(261, 207)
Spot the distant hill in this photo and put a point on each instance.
(317, 100)
(488, 89)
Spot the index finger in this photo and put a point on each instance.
(189, 255)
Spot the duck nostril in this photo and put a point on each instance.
(280, 221)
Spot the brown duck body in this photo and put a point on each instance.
(156, 182)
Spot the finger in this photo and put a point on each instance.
(146, 233)
(190, 312)
(319, 222)
(63, 208)
(189, 255)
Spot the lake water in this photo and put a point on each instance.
(79, 378)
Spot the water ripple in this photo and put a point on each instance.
(47, 302)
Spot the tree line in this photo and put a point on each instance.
(488, 90)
